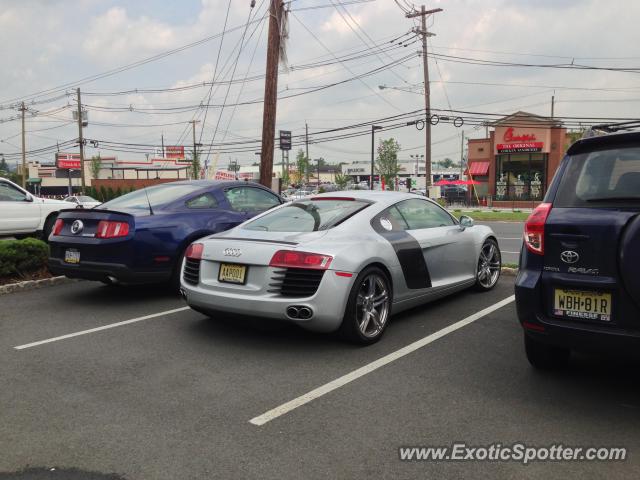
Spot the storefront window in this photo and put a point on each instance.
(521, 176)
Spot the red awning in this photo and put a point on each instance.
(479, 168)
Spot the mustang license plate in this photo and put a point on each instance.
(232, 273)
(581, 304)
(72, 256)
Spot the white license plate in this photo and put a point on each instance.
(580, 304)
(72, 256)
(232, 273)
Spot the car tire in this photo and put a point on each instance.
(359, 324)
(489, 266)
(545, 357)
(48, 227)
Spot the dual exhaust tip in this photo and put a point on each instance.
(299, 312)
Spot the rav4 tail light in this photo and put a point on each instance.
(194, 251)
(534, 228)
(57, 227)
(295, 259)
(109, 229)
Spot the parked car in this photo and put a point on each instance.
(140, 237)
(578, 286)
(22, 213)
(340, 262)
(83, 201)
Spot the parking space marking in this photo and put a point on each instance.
(381, 362)
(509, 238)
(99, 329)
(505, 251)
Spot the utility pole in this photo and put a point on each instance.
(553, 101)
(81, 144)
(195, 162)
(24, 152)
(270, 93)
(162, 141)
(427, 89)
(306, 139)
(461, 154)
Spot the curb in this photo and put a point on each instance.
(509, 272)
(34, 284)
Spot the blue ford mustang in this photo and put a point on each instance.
(141, 237)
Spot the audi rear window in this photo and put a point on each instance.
(604, 178)
(307, 216)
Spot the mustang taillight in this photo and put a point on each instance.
(109, 229)
(57, 227)
(194, 251)
(534, 228)
(294, 259)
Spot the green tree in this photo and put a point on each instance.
(195, 167)
(302, 167)
(342, 181)
(387, 162)
(4, 167)
(95, 166)
(446, 163)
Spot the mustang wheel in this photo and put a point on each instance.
(368, 308)
(489, 266)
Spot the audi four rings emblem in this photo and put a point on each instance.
(569, 256)
(76, 227)
(232, 252)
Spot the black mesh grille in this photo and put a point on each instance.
(191, 271)
(295, 282)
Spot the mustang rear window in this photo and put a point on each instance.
(307, 216)
(158, 195)
(604, 178)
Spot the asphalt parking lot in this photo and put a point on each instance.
(165, 393)
(509, 236)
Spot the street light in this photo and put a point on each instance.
(373, 131)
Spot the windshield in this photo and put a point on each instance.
(307, 216)
(158, 195)
(601, 178)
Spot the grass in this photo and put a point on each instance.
(487, 216)
(510, 265)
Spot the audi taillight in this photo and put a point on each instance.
(194, 251)
(534, 228)
(110, 229)
(57, 227)
(294, 259)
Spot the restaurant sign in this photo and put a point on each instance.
(522, 147)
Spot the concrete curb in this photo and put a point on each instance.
(34, 284)
(509, 272)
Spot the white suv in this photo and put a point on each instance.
(22, 214)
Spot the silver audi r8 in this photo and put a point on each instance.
(340, 261)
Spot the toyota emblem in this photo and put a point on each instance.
(76, 227)
(569, 256)
(232, 252)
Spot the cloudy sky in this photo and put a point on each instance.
(51, 43)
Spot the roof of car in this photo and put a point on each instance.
(377, 196)
(600, 142)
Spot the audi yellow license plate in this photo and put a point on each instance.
(581, 304)
(232, 273)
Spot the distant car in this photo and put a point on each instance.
(340, 262)
(299, 194)
(22, 213)
(140, 237)
(83, 201)
(578, 286)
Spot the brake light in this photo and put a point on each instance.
(294, 259)
(534, 228)
(109, 229)
(57, 227)
(194, 251)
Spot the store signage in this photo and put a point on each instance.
(224, 175)
(523, 147)
(285, 139)
(175, 151)
(69, 161)
(510, 137)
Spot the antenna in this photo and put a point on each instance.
(148, 201)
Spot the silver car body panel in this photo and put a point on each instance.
(451, 254)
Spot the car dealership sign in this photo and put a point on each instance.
(68, 161)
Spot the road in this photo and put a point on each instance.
(165, 393)
(509, 238)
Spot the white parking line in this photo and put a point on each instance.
(99, 329)
(381, 362)
(509, 238)
(505, 251)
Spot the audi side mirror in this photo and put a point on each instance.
(466, 222)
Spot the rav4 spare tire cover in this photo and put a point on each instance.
(630, 259)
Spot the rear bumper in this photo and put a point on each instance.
(575, 335)
(100, 271)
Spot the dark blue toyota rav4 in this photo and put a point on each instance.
(579, 282)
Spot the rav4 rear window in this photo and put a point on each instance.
(307, 216)
(604, 178)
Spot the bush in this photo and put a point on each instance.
(18, 257)
(442, 202)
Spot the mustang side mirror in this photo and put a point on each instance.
(466, 222)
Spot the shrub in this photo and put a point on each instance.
(18, 257)
(103, 193)
(442, 202)
(110, 194)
